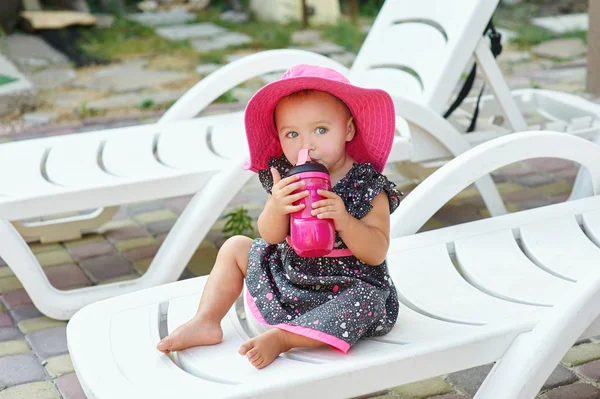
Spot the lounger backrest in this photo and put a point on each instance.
(419, 48)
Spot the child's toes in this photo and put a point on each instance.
(164, 345)
(260, 364)
(257, 360)
(246, 346)
(252, 354)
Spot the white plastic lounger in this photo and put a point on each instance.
(470, 294)
(78, 172)
(391, 58)
(182, 154)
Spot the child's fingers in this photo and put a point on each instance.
(290, 179)
(325, 209)
(295, 197)
(276, 176)
(322, 203)
(294, 208)
(285, 182)
(290, 188)
(327, 194)
(326, 215)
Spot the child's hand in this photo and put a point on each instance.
(332, 207)
(281, 193)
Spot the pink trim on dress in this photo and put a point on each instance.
(334, 342)
(335, 253)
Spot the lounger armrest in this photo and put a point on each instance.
(431, 122)
(465, 169)
(240, 71)
(533, 356)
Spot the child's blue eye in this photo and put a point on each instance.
(321, 130)
(291, 135)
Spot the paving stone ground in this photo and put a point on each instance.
(134, 83)
(34, 359)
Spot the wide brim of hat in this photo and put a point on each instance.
(372, 110)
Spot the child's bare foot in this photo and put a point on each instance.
(262, 350)
(196, 332)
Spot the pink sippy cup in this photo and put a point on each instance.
(311, 236)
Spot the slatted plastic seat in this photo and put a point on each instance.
(117, 166)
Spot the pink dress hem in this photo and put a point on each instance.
(330, 340)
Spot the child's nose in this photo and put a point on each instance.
(307, 143)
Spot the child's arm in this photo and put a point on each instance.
(367, 238)
(273, 222)
(272, 226)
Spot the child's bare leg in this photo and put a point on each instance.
(262, 350)
(223, 287)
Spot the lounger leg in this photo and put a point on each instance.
(172, 257)
(19, 257)
(194, 223)
(495, 79)
(582, 187)
(54, 303)
(532, 357)
(490, 195)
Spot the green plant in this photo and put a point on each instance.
(115, 7)
(212, 57)
(86, 112)
(346, 34)
(222, 5)
(370, 8)
(277, 36)
(226, 97)
(4, 42)
(579, 34)
(238, 223)
(6, 79)
(127, 38)
(147, 104)
(530, 35)
(265, 35)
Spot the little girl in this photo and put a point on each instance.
(309, 302)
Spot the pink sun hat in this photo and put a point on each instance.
(372, 110)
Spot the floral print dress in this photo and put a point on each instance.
(333, 300)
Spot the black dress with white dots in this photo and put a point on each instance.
(334, 300)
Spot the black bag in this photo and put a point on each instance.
(496, 47)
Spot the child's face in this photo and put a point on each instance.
(316, 121)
